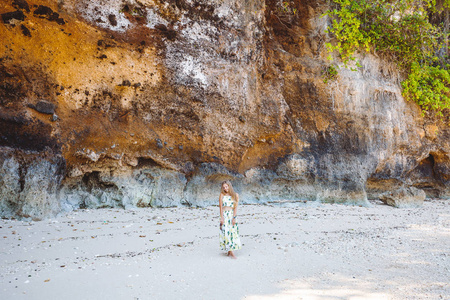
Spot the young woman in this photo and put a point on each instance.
(229, 231)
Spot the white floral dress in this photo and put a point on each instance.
(229, 234)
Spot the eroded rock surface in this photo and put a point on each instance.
(29, 182)
(153, 103)
(404, 197)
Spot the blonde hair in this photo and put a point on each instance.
(230, 191)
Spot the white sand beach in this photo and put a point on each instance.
(295, 251)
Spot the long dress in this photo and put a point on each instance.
(229, 234)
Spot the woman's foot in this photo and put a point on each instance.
(231, 254)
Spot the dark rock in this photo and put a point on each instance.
(105, 44)
(25, 30)
(242, 119)
(159, 144)
(43, 11)
(14, 15)
(21, 132)
(112, 20)
(126, 83)
(47, 13)
(21, 4)
(168, 33)
(44, 107)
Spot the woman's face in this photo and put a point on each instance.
(226, 188)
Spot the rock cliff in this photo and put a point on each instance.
(153, 103)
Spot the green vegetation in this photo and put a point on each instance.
(329, 73)
(412, 33)
(428, 86)
(288, 8)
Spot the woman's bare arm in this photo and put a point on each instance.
(221, 208)
(235, 208)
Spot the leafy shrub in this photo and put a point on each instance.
(429, 86)
(401, 31)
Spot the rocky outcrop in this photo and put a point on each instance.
(151, 186)
(153, 103)
(404, 197)
(29, 183)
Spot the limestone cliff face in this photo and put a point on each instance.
(153, 103)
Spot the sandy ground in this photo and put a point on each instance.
(292, 251)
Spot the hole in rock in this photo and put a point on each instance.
(425, 168)
(93, 180)
(145, 162)
(426, 178)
